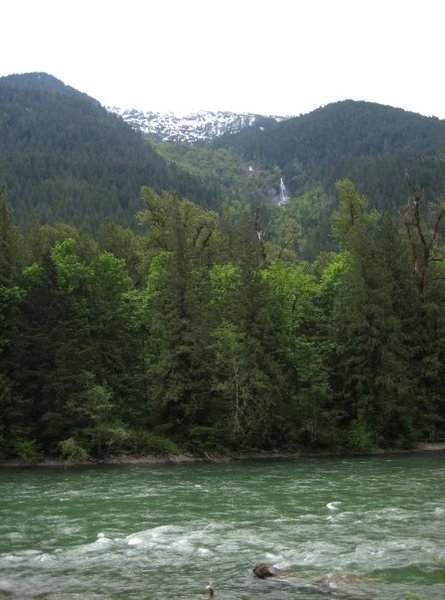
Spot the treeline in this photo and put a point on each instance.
(203, 335)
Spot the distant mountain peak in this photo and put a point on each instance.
(200, 126)
(36, 80)
(42, 82)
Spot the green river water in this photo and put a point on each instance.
(339, 528)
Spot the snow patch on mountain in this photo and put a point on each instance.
(191, 127)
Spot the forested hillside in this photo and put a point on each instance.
(386, 152)
(241, 184)
(64, 157)
(379, 147)
(134, 319)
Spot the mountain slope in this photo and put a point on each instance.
(380, 148)
(64, 157)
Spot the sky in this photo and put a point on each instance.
(274, 57)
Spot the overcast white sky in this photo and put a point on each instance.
(281, 57)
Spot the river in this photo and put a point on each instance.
(340, 528)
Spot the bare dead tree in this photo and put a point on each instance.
(262, 233)
(423, 241)
(292, 233)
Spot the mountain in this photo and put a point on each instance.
(384, 150)
(202, 126)
(65, 157)
(42, 82)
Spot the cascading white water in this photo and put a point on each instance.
(284, 197)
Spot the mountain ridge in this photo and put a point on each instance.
(40, 81)
(192, 127)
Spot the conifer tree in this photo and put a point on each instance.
(371, 324)
(182, 240)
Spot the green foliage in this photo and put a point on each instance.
(303, 224)
(27, 450)
(213, 338)
(374, 329)
(148, 442)
(63, 157)
(94, 406)
(238, 382)
(12, 250)
(116, 438)
(231, 179)
(208, 439)
(33, 274)
(351, 221)
(71, 450)
(183, 240)
(331, 278)
(359, 438)
(3, 447)
(124, 244)
(71, 269)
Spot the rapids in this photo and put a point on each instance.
(341, 528)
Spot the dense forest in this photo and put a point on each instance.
(202, 335)
(377, 146)
(155, 299)
(64, 157)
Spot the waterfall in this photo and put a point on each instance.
(284, 197)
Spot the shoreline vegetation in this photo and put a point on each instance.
(220, 344)
(206, 458)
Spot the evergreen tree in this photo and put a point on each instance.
(372, 321)
(115, 337)
(54, 349)
(182, 240)
(12, 259)
(12, 249)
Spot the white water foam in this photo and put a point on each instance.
(335, 505)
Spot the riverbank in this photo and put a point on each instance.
(178, 459)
